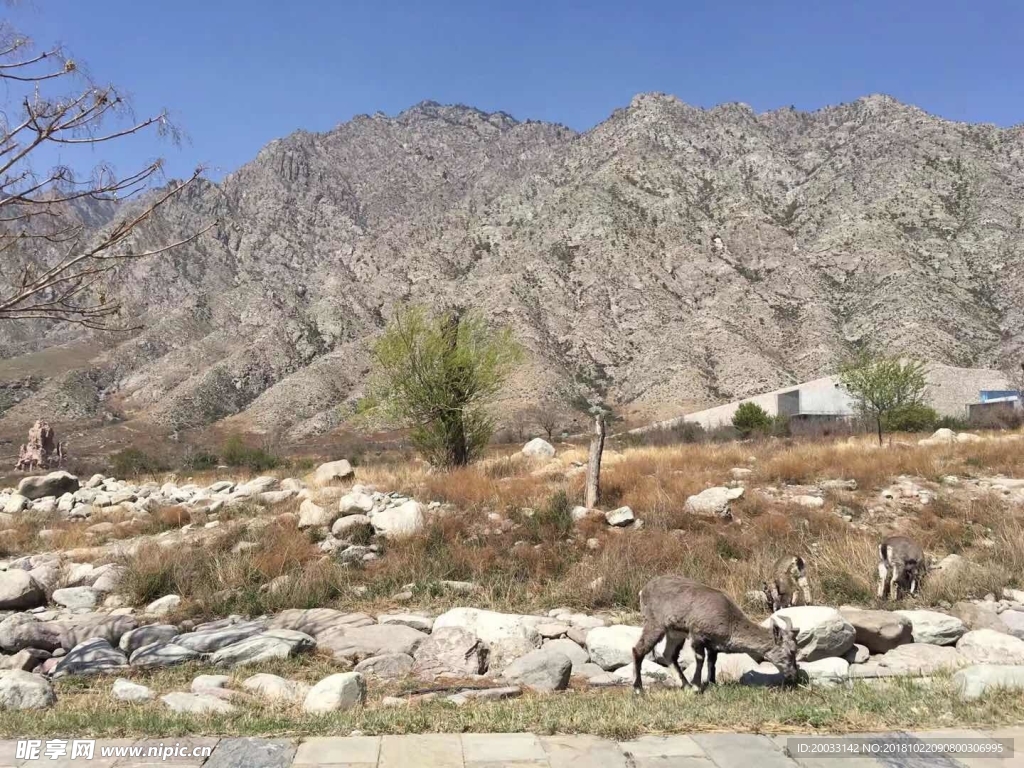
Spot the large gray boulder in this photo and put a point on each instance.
(539, 448)
(450, 650)
(975, 681)
(396, 522)
(822, 632)
(53, 484)
(540, 670)
(878, 631)
(987, 646)
(18, 590)
(577, 655)
(25, 690)
(23, 630)
(92, 657)
(333, 471)
(507, 635)
(158, 655)
(933, 627)
(336, 693)
(363, 642)
(151, 633)
(388, 666)
(612, 647)
(910, 659)
(273, 644)
(712, 502)
(276, 688)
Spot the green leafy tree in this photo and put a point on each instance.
(883, 386)
(751, 417)
(435, 374)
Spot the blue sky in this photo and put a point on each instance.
(238, 74)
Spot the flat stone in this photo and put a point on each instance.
(416, 621)
(273, 644)
(975, 681)
(389, 666)
(334, 693)
(276, 688)
(540, 670)
(76, 598)
(92, 657)
(125, 690)
(196, 704)
(553, 629)
(450, 650)
(318, 621)
(359, 643)
(161, 654)
(501, 748)
(933, 627)
(252, 753)
(338, 751)
(662, 746)
(582, 750)
(437, 750)
(741, 749)
(213, 640)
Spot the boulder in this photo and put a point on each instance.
(95, 625)
(163, 605)
(355, 503)
(822, 632)
(196, 703)
(151, 633)
(76, 598)
(933, 627)
(317, 621)
(273, 644)
(910, 659)
(404, 520)
(215, 639)
(92, 657)
(612, 647)
(313, 515)
(347, 527)
(25, 690)
(276, 688)
(987, 646)
(157, 655)
(979, 615)
(336, 693)
(26, 659)
(19, 590)
(110, 578)
(540, 670)
(257, 485)
(125, 690)
(1014, 622)
(620, 517)
(539, 448)
(388, 666)
(359, 643)
(23, 630)
(53, 484)
(333, 471)
(507, 635)
(15, 504)
(577, 655)
(878, 631)
(450, 651)
(713, 501)
(414, 620)
(975, 681)
(830, 669)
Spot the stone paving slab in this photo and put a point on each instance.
(742, 750)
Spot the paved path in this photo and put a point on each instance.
(517, 750)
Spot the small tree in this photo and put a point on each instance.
(883, 385)
(751, 417)
(435, 374)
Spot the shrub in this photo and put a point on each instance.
(554, 520)
(131, 462)
(236, 453)
(916, 417)
(751, 417)
(197, 460)
(955, 423)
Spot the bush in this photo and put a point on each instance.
(955, 423)
(131, 462)
(197, 459)
(916, 417)
(235, 453)
(751, 417)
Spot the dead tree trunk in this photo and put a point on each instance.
(593, 497)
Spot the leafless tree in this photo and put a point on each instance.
(548, 419)
(51, 267)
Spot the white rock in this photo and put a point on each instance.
(712, 501)
(206, 682)
(25, 690)
(540, 670)
(612, 647)
(333, 471)
(313, 515)
(826, 669)
(354, 503)
(276, 688)
(15, 504)
(508, 635)
(339, 692)
(125, 690)
(933, 627)
(538, 448)
(821, 631)
(403, 520)
(76, 598)
(975, 681)
(620, 517)
(163, 605)
(196, 703)
(986, 646)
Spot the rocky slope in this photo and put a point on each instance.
(670, 258)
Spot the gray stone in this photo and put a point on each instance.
(273, 644)
(125, 690)
(821, 631)
(712, 501)
(257, 485)
(387, 666)
(318, 621)
(450, 650)
(87, 626)
(878, 631)
(314, 516)
(414, 620)
(26, 659)
(163, 605)
(858, 654)
(272, 498)
(975, 681)
(151, 633)
(76, 598)
(577, 655)
(276, 688)
(15, 504)
(53, 484)
(507, 635)
(359, 643)
(987, 646)
(92, 657)
(1014, 622)
(215, 639)
(620, 517)
(346, 527)
(23, 630)
(910, 659)
(404, 520)
(612, 647)
(207, 682)
(19, 590)
(252, 753)
(540, 670)
(355, 503)
(933, 627)
(335, 693)
(25, 690)
(161, 654)
(197, 704)
(110, 578)
(539, 448)
(333, 471)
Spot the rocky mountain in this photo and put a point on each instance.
(670, 258)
